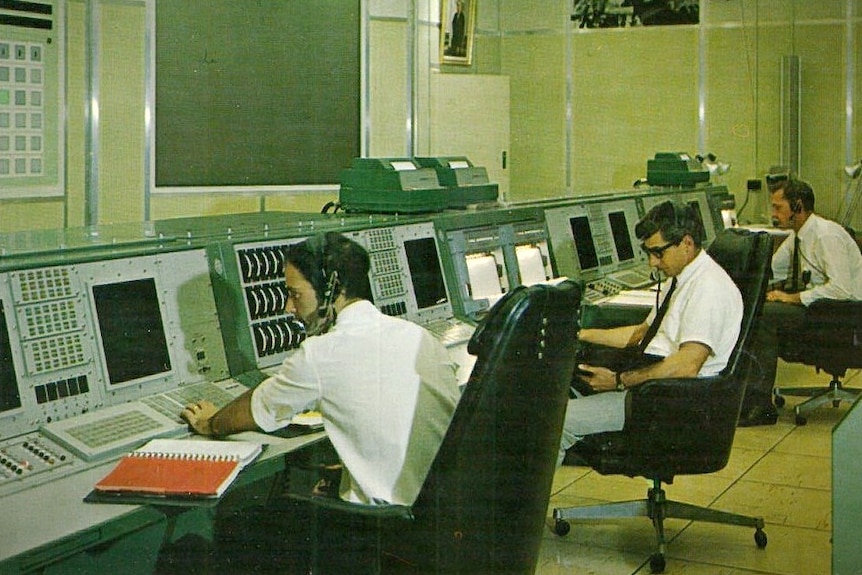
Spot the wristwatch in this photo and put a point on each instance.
(619, 378)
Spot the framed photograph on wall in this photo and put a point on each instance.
(457, 25)
(629, 13)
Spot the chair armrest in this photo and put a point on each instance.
(608, 315)
(827, 313)
(693, 389)
(385, 512)
(658, 404)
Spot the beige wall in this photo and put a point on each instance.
(637, 91)
(588, 108)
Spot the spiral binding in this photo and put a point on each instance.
(185, 456)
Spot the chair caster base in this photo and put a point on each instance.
(562, 527)
(760, 538)
(656, 563)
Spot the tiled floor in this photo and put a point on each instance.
(781, 472)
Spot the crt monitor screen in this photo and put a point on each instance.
(9, 395)
(622, 239)
(133, 335)
(583, 236)
(425, 272)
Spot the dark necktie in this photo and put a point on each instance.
(659, 316)
(794, 272)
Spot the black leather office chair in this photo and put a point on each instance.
(483, 505)
(682, 426)
(832, 342)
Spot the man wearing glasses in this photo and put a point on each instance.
(691, 332)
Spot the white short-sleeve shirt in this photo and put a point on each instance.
(706, 308)
(386, 389)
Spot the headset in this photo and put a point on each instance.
(332, 286)
(796, 209)
(327, 279)
(686, 221)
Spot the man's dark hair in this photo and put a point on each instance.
(318, 256)
(674, 220)
(797, 192)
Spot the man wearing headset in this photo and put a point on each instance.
(828, 266)
(385, 387)
(691, 333)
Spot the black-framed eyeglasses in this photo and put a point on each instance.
(658, 251)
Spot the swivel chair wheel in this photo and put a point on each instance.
(760, 538)
(836, 402)
(656, 563)
(562, 527)
(779, 400)
(801, 419)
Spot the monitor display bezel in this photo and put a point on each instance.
(8, 370)
(623, 236)
(585, 244)
(153, 376)
(439, 279)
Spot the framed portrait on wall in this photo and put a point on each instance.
(457, 26)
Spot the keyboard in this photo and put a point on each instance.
(171, 403)
(600, 289)
(121, 428)
(450, 331)
(112, 430)
(631, 279)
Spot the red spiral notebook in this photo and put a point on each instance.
(183, 468)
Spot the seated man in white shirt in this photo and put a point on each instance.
(692, 332)
(385, 387)
(828, 265)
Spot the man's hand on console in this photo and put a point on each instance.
(782, 296)
(199, 416)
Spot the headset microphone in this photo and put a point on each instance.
(655, 276)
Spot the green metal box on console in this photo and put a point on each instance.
(414, 185)
(675, 169)
(388, 185)
(465, 183)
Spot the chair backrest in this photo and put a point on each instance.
(687, 425)
(483, 505)
(746, 257)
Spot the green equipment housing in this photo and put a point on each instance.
(414, 185)
(465, 183)
(675, 169)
